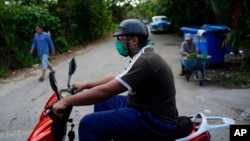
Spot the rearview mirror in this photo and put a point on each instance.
(53, 83)
(72, 66)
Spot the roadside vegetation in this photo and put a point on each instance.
(236, 79)
(77, 22)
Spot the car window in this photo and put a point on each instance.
(158, 19)
(163, 19)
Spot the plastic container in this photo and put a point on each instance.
(209, 40)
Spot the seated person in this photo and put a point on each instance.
(188, 47)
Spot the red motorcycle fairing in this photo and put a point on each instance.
(206, 136)
(43, 129)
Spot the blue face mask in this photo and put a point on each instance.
(120, 48)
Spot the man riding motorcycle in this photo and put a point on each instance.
(148, 111)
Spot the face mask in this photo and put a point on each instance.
(120, 48)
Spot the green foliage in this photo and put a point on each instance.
(197, 56)
(231, 13)
(233, 39)
(83, 21)
(31, 16)
(240, 80)
(102, 21)
(144, 10)
(118, 13)
(3, 72)
(185, 13)
(17, 30)
(236, 15)
(123, 9)
(71, 22)
(192, 57)
(74, 22)
(221, 9)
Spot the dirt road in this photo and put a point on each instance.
(22, 97)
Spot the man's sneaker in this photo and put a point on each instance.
(182, 73)
(41, 79)
(53, 71)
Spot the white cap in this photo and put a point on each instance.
(188, 36)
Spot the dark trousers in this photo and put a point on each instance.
(113, 120)
(182, 66)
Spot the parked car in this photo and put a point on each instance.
(159, 24)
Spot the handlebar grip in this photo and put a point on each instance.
(49, 112)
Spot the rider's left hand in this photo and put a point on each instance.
(58, 108)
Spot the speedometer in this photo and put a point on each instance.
(65, 93)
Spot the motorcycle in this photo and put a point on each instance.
(53, 128)
(49, 126)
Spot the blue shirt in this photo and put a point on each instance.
(190, 49)
(43, 44)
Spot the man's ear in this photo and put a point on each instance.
(135, 40)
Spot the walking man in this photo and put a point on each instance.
(44, 45)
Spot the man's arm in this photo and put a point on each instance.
(51, 44)
(33, 46)
(91, 96)
(196, 49)
(182, 50)
(80, 86)
(185, 53)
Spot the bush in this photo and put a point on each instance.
(17, 31)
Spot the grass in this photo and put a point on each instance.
(238, 80)
(234, 73)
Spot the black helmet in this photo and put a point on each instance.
(132, 27)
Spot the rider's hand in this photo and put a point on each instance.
(79, 86)
(58, 108)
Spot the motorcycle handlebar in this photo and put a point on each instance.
(62, 94)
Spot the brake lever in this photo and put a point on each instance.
(73, 90)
